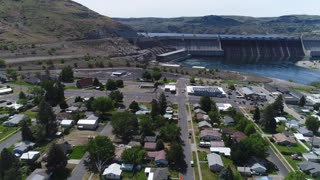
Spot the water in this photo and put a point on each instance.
(289, 72)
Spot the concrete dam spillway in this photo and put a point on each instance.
(231, 48)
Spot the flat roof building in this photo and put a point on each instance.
(212, 91)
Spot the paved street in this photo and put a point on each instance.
(283, 171)
(188, 175)
(11, 141)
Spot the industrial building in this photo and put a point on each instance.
(177, 55)
(249, 93)
(211, 91)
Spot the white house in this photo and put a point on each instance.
(221, 150)
(113, 171)
(66, 123)
(30, 156)
(280, 119)
(91, 123)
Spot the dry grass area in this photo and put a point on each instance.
(79, 137)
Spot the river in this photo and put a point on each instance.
(289, 72)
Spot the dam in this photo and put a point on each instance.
(231, 48)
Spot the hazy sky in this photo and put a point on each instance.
(176, 8)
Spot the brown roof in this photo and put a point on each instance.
(86, 82)
(158, 155)
(282, 138)
(210, 132)
(63, 116)
(199, 116)
(217, 144)
(150, 145)
(238, 136)
(228, 131)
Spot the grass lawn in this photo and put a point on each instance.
(78, 152)
(304, 89)
(70, 87)
(206, 173)
(5, 131)
(229, 162)
(146, 104)
(21, 83)
(173, 173)
(281, 127)
(175, 107)
(289, 116)
(30, 114)
(293, 149)
(138, 176)
(202, 156)
(195, 168)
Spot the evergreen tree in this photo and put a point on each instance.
(66, 75)
(96, 82)
(175, 154)
(134, 106)
(56, 159)
(26, 132)
(111, 85)
(205, 103)
(256, 114)
(162, 103)
(154, 108)
(119, 83)
(226, 174)
(312, 124)
(160, 145)
(116, 96)
(278, 105)
(9, 166)
(302, 101)
(47, 118)
(269, 122)
(22, 95)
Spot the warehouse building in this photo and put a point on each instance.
(212, 91)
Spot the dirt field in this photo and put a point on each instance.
(79, 137)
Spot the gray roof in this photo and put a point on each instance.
(309, 166)
(247, 90)
(228, 119)
(214, 159)
(150, 139)
(17, 118)
(303, 130)
(199, 111)
(204, 123)
(160, 173)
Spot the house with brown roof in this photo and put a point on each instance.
(210, 135)
(238, 136)
(283, 140)
(159, 157)
(150, 146)
(84, 83)
(217, 144)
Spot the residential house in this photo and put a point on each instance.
(14, 120)
(244, 171)
(150, 146)
(22, 147)
(112, 172)
(159, 157)
(85, 83)
(280, 119)
(223, 106)
(210, 135)
(150, 139)
(311, 157)
(157, 173)
(221, 150)
(310, 168)
(283, 140)
(217, 144)
(118, 152)
(236, 136)
(39, 174)
(197, 111)
(91, 123)
(196, 106)
(126, 167)
(32, 80)
(228, 121)
(204, 125)
(30, 156)
(215, 162)
(299, 137)
(66, 123)
(305, 132)
(292, 124)
(63, 115)
(257, 165)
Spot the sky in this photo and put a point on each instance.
(178, 8)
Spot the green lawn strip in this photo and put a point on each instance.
(304, 89)
(72, 87)
(30, 114)
(281, 127)
(137, 176)
(173, 173)
(175, 107)
(289, 116)
(202, 156)
(195, 168)
(7, 132)
(21, 83)
(78, 152)
(207, 174)
(292, 162)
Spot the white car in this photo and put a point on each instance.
(192, 164)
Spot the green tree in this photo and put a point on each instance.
(66, 75)
(160, 145)
(54, 92)
(38, 133)
(116, 96)
(269, 122)
(9, 166)
(214, 116)
(256, 114)
(249, 129)
(102, 104)
(124, 124)
(154, 108)
(146, 75)
(302, 101)
(101, 152)
(242, 124)
(312, 123)
(119, 83)
(12, 74)
(192, 80)
(226, 174)
(146, 125)
(2, 63)
(134, 155)
(56, 159)
(316, 107)
(296, 175)
(205, 103)
(22, 95)
(134, 107)
(162, 103)
(96, 82)
(170, 132)
(26, 132)
(111, 85)
(278, 105)
(47, 118)
(175, 155)
(156, 75)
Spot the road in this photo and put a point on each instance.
(80, 170)
(11, 141)
(183, 123)
(283, 171)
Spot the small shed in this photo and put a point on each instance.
(66, 123)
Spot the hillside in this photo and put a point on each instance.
(289, 25)
(33, 21)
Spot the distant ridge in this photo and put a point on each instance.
(293, 25)
(26, 21)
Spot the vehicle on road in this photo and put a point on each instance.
(192, 164)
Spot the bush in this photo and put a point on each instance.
(287, 153)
